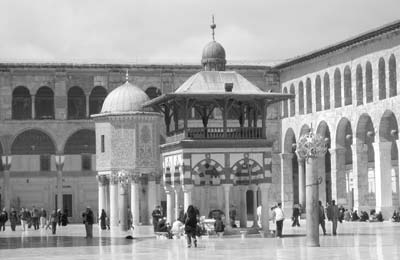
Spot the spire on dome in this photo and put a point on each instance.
(213, 26)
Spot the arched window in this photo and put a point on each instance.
(309, 96)
(301, 98)
(338, 88)
(44, 103)
(327, 92)
(153, 92)
(359, 85)
(76, 103)
(368, 82)
(392, 76)
(21, 104)
(96, 100)
(347, 86)
(318, 105)
(292, 102)
(382, 79)
(285, 105)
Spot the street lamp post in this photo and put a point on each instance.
(310, 147)
(6, 159)
(59, 165)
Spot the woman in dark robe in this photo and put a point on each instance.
(103, 220)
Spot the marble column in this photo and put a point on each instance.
(287, 181)
(321, 171)
(360, 174)
(264, 188)
(383, 178)
(113, 200)
(312, 213)
(338, 178)
(152, 195)
(254, 189)
(243, 207)
(6, 181)
(87, 106)
(187, 195)
(135, 199)
(227, 188)
(59, 166)
(123, 203)
(33, 107)
(177, 189)
(302, 178)
(169, 194)
(103, 182)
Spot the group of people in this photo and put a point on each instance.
(32, 218)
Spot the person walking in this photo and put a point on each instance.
(13, 218)
(278, 217)
(24, 218)
(88, 221)
(157, 215)
(321, 216)
(43, 217)
(296, 215)
(103, 220)
(35, 218)
(3, 219)
(191, 225)
(53, 221)
(333, 215)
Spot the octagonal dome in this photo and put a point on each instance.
(125, 98)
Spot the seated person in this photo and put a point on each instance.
(395, 216)
(162, 226)
(379, 217)
(364, 216)
(354, 216)
(219, 225)
(347, 215)
(177, 228)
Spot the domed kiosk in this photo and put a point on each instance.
(127, 155)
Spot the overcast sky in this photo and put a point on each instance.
(175, 31)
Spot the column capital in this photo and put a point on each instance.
(151, 176)
(135, 178)
(168, 189)
(102, 179)
(337, 150)
(113, 178)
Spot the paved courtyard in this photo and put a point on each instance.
(354, 241)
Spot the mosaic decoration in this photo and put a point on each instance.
(247, 171)
(145, 147)
(207, 172)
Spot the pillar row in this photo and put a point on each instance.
(360, 175)
(135, 199)
(302, 178)
(113, 200)
(287, 181)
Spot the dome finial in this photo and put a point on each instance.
(127, 75)
(213, 26)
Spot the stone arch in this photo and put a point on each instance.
(81, 142)
(207, 172)
(21, 103)
(309, 96)
(33, 141)
(347, 86)
(153, 92)
(382, 79)
(359, 85)
(285, 105)
(289, 140)
(96, 99)
(337, 81)
(327, 92)
(368, 82)
(392, 76)
(388, 128)
(292, 101)
(76, 103)
(344, 138)
(247, 171)
(304, 130)
(301, 98)
(318, 94)
(44, 103)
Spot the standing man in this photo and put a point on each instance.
(333, 214)
(35, 218)
(322, 216)
(296, 215)
(3, 219)
(43, 217)
(13, 218)
(88, 220)
(278, 217)
(157, 215)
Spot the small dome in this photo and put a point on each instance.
(213, 57)
(125, 98)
